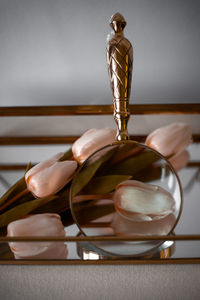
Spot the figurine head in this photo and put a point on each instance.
(117, 22)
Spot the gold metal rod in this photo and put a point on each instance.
(184, 237)
(134, 261)
(73, 110)
(37, 140)
(47, 140)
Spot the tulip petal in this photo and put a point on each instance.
(55, 251)
(140, 201)
(180, 160)
(91, 141)
(35, 225)
(42, 165)
(48, 177)
(170, 139)
(50, 180)
(125, 227)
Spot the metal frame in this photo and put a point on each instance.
(93, 110)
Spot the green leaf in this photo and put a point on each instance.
(150, 174)
(88, 171)
(68, 154)
(87, 212)
(22, 210)
(104, 184)
(134, 164)
(29, 166)
(5, 252)
(19, 186)
(57, 205)
(23, 198)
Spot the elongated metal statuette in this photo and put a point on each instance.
(120, 61)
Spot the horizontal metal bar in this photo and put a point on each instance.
(136, 261)
(184, 237)
(11, 167)
(136, 109)
(37, 140)
(53, 140)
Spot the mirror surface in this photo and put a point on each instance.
(13, 160)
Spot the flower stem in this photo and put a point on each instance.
(15, 198)
(81, 198)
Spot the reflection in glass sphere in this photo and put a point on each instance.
(126, 189)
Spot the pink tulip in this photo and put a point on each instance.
(170, 139)
(38, 225)
(125, 227)
(140, 201)
(180, 160)
(91, 141)
(50, 176)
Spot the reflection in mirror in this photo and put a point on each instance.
(189, 223)
(38, 225)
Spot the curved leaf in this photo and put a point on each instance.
(88, 171)
(104, 184)
(22, 210)
(19, 186)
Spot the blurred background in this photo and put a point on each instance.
(53, 52)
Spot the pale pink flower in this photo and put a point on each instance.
(38, 225)
(50, 176)
(91, 141)
(180, 160)
(125, 227)
(171, 139)
(140, 201)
